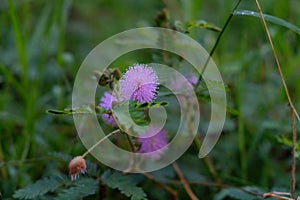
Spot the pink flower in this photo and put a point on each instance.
(106, 102)
(139, 83)
(155, 143)
(185, 89)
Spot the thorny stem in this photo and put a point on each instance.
(293, 110)
(184, 182)
(216, 43)
(97, 143)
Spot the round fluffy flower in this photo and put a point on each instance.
(155, 143)
(77, 166)
(139, 83)
(106, 102)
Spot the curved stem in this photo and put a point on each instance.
(97, 143)
(184, 182)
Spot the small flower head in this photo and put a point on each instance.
(77, 166)
(106, 102)
(192, 79)
(185, 87)
(155, 143)
(139, 83)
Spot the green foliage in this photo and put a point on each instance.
(187, 26)
(270, 18)
(39, 188)
(125, 183)
(81, 188)
(85, 109)
(44, 42)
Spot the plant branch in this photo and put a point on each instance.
(97, 143)
(206, 183)
(276, 196)
(184, 182)
(166, 187)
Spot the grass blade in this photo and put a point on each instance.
(270, 18)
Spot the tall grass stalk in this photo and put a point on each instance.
(293, 110)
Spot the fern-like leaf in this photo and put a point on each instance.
(39, 188)
(81, 188)
(125, 184)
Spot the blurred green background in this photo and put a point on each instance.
(44, 42)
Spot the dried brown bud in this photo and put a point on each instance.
(77, 166)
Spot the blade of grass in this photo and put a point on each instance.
(28, 129)
(270, 18)
(19, 41)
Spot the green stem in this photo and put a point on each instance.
(208, 162)
(216, 43)
(28, 99)
(130, 143)
(243, 156)
(19, 41)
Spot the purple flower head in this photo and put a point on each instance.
(192, 79)
(184, 87)
(139, 83)
(106, 102)
(155, 143)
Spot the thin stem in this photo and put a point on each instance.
(293, 110)
(166, 187)
(97, 143)
(276, 196)
(293, 171)
(209, 163)
(277, 61)
(184, 182)
(216, 43)
(130, 143)
(206, 183)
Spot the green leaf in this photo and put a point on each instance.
(82, 188)
(270, 18)
(288, 142)
(125, 183)
(39, 188)
(150, 105)
(85, 109)
(187, 26)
